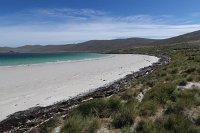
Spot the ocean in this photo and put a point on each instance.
(12, 59)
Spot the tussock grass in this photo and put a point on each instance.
(99, 107)
(124, 117)
(164, 94)
(79, 124)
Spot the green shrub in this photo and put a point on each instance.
(184, 99)
(80, 124)
(114, 103)
(148, 127)
(174, 71)
(197, 121)
(178, 124)
(197, 79)
(148, 108)
(190, 78)
(183, 83)
(163, 74)
(127, 130)
(161, 93)
(198, 70)
(167, 124)
(99, 107)
(190, 70)
(93, 107)
(197, 59)
(150, 83)
(190, 97)
(167, 78)
(175, 108)
(123, 118)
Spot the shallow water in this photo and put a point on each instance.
(11, 59)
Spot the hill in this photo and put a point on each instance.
(193, 36)
(102, 46)
(89, 46)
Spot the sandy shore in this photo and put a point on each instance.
(23, 87)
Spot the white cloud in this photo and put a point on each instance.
(66, 12)
(87, 25)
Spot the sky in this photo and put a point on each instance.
(44, 22)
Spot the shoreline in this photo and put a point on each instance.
(108, 89)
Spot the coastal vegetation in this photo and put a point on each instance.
(167, 106)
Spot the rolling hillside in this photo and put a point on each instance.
(102, 46)
(89, 46)
(193, 36)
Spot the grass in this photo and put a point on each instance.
(124, 117)
(168, 124)
(177, 124)
(124, 108)
(127, 130)
(79, 124)
(99, 107)
(161, 93)
(148, 108)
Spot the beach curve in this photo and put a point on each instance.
(23, 87)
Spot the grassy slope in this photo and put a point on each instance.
(103, 46)
(164, 108)
(89, 46)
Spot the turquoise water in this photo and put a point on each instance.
(11, 59)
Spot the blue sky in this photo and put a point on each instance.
(32, 22)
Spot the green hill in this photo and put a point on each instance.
(102, 46)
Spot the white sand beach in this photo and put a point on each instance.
(22, 87)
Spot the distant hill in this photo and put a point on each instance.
(108, 45)
(193, 36)
(102, 46)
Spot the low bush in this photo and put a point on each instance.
(93, 107)
(197, 59)
(190, 78)
(114, 103)
(80, 124)
(190, 70)
(161, 93)
(163, 74)
(174, 71)
(183, 83)
(127, 130)
(174, 108)
(167, 124)
(148, 108)
(123, 118)
(150, 83)
(100, 107)
(197, 121)
(178, 124)
(148, 127)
